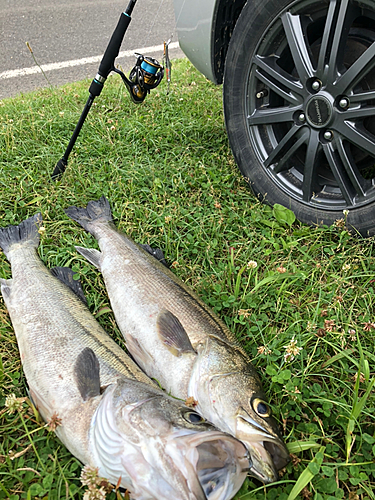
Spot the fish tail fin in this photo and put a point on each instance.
(96, 211)
(26, 233)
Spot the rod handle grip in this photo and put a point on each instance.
(114, 45)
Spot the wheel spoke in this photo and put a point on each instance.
(359, 184)
(340, 175)
(357, 136)
(311, 164)
(282, 164)
(354, 113)
(271, 115)
(329, 29)
(297, 44)
(357, 71)
(288, 96)
(278, 75)
(339, 34)
(363, 97)
(286, 141)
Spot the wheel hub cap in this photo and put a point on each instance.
(318, 111)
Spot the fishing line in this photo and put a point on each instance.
(179, 15)
(154, 22)
(166, 60)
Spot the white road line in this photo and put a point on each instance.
(79, 62)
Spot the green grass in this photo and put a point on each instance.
(168, 172)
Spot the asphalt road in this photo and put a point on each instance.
(64, 34)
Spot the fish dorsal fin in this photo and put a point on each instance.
(173, 334)
(91, 255)
(155, 252)
(65, 275)
(86, 373)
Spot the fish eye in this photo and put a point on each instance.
(261, 407)
(193, 417)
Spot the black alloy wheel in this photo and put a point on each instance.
(299, 103)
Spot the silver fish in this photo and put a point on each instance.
(112, 416)
(176, 339)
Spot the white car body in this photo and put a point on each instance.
(204, 29)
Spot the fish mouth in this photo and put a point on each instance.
(268, 457)
(216, 464)
(268, 453)
(279, 453)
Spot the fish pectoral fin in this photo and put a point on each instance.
(91, 254)
(155, 252)
(86, 373)
(65, 275)
(5, 286)
(138, 352)
(173, 334)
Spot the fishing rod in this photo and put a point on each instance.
(145, 76)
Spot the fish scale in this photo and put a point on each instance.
(44, 304)
(146, 280)
(176, 339)
(156, 280)
(36, 286)
(110, 414)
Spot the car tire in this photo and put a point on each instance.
(299, 105)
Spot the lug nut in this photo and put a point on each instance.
(344, 103)
(316, 85)
(328, 135)
(302, 117)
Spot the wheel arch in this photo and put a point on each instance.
(204, 31)
(226, 15)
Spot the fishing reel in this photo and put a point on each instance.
(145, 76)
